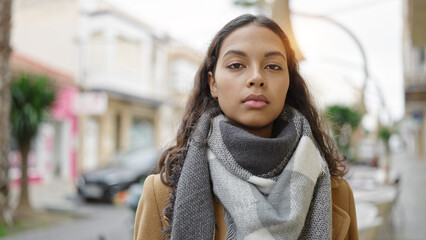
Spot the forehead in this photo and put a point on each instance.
(245, 37)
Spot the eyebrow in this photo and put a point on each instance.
(238, 52)
(267, 54)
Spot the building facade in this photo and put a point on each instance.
(129, 76)
(414, 41)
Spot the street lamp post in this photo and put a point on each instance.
(363, 55)
(358, 44)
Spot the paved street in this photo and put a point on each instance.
(95, 221)
(409, 214)
(98, 222)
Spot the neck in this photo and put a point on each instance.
(265, 132)
(261, 132)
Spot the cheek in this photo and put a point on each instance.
(286, 86)
(226, 88)
(227, 96)
(281, 88)
(281, 93)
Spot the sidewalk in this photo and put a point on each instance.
(408, 217)
(89, 221)
(54, 195)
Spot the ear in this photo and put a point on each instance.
(212, 84)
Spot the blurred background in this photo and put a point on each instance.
(92, 90)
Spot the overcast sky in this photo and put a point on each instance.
(333, 60)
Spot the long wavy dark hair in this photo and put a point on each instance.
(200, 100)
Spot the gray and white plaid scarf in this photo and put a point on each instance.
(270, 188)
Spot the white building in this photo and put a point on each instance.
(131, 77)
(415, 70)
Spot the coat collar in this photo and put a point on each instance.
(341, 222)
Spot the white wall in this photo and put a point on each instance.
(112, 63)
(45, 30)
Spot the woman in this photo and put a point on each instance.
(252, 159)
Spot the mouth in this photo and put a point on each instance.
(256, 101)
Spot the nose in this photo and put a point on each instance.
(255, 79)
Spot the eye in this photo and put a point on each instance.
(235, 66)
(273, 67)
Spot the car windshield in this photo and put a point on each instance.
(141, 158)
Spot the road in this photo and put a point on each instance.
(408, 217)
(95, 221)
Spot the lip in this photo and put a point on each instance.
(256, 101)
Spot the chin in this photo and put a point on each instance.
(258, 121)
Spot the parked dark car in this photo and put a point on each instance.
(122, 171)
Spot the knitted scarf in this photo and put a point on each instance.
(270, 188)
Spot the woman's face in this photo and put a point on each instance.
(251, 78)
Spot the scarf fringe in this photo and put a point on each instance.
(231, 232)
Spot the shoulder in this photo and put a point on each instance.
(149, 218)
(156, 190)
(339, 182)
(341, 192)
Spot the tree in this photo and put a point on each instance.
(31, 98)
(5, 12)
(345, 121)
(385, 134)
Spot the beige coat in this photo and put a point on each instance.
(149, 220)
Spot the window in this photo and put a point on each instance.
(182, 75)
(422, 56)
(97, 53)
(127, 57)
(141, 133)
